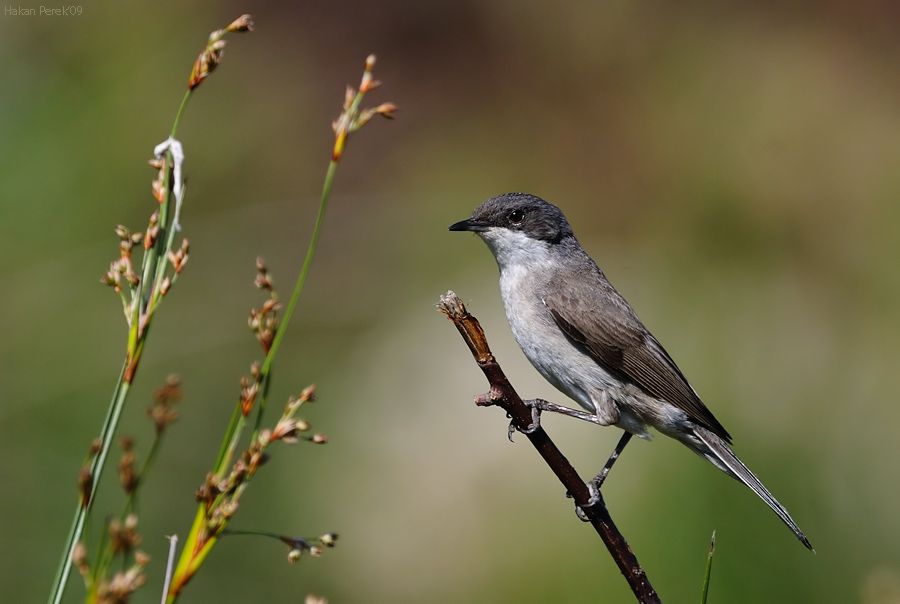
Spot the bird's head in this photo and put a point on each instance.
(517, 226)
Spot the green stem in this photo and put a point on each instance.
(238, 421)
(131, 502)
(136, 338)
(704, 591)
(107, 433)
(106, 547)
(154, 266)
(191, 557)
(247, 532)
(194, 553)
(304, 270)
(298, 288)
(180, 112)
(227, 446)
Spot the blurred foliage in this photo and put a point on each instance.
(732, 168)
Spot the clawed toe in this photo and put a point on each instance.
(595, 498)
(535, 423)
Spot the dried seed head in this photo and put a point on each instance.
(123, 584)
(127, 475)
(386, 110)
(158, 190)
(349, 93)
(328, 539)
(294, 555)
(287, 430)
(211, 56)
(152, 230)
(308, 394)
(80, 559)
(269, 306)
(315, 551)
(178, 259)
(242, 23)
(314, 599)
(85, 485)
(111, 278)
(319, 439)
(368, 81)
(131, 522)
(249, 390)
(123, 233)
(161, 410)
(351, 118)
(207, 491)
(263, 281)
(228, 508)
(124, 538)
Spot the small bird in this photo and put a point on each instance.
(585, 339)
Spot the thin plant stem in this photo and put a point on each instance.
(238, 421)
(180, 112)
(298, 287)
(704, 591)
(136, 339)
(131, 502)
(230, 532)
(194, 552)
(201, 539)
(107, 433)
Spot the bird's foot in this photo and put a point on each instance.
(535, 422)
(594, 500)
(598, 480)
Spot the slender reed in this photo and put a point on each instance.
(229, 478)
(161, 264)
(704, 590)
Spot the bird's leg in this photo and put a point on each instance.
(494, 396)
(599, 478)
(542, 405)
(595, 483)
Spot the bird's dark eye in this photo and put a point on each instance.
(516, 216)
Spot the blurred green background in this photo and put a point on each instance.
(733, 169)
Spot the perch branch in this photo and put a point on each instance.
(504, 395)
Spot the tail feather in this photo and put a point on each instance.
(720, 454)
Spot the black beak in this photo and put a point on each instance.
(468, 224)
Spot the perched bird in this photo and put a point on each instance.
(585, 339)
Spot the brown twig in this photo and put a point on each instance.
(504, 395)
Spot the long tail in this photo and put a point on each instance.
(721, 455)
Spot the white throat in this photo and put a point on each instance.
(515, 250)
